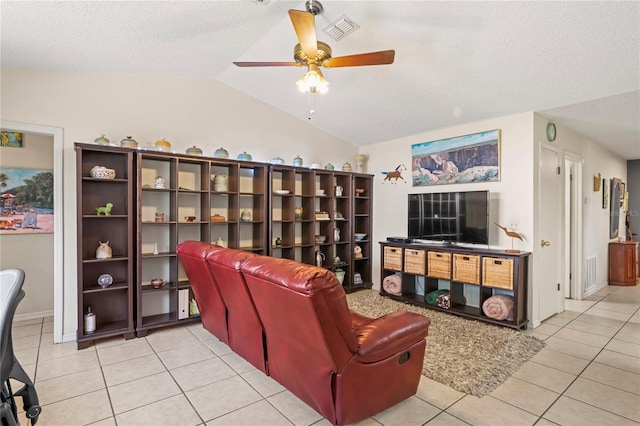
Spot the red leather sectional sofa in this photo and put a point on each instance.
(291, 321)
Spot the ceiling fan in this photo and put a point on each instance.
(315, 54)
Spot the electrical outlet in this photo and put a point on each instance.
(514, 225)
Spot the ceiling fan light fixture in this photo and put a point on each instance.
(313, 81)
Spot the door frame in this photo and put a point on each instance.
(573, 225)
(58, 229)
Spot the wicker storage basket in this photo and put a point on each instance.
(497, 272)
(393, 258)
(414, 261)
(466, 268)
(439, 265)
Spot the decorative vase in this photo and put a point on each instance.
(158, 182)
(340, 275)
(346, 167)
(336, 234)
(89, 321)
(220, 183)
(360, 160)
(155, 248)
(245, 216)
(298, 213)
(297, 161)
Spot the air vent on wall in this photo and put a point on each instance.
(341, 27)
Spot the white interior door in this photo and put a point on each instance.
(551, 223)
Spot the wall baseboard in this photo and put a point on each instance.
(33, 315)
(71, 337)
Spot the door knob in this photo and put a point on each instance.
(544, 243)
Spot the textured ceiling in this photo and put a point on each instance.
(576, 63)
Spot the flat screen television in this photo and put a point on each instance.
(449, 217)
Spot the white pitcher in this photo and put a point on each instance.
(220, 183)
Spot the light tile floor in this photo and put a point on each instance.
(588, 374)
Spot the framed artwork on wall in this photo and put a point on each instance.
(10, 138)
(26, 201)
(614, 214)
(605, 194)
(461, 159)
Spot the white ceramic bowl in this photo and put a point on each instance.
(281, 191)
(359, 236)
(321, 238)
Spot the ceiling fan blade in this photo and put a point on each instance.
(268, 64)
(372, 58)
(305, 26)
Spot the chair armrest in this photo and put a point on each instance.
(358, 320)
(390, 334)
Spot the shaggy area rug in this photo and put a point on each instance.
(470, 356)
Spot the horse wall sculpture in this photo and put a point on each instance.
(395, 174)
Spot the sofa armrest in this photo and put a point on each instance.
(390, 334)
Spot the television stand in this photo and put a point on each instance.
(471, 275)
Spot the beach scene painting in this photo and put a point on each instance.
(26, 201)
(461, 159)
(9, 138)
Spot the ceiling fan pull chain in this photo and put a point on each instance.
(311, 110)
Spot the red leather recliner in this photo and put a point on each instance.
(292, 321)
(246, 334)
(346, 366)
(213, 312)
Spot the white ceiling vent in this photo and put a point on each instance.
(341, 27)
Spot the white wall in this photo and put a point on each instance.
(185, 111)
(32, 253)
(511, 197)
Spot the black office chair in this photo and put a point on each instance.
(11, 294)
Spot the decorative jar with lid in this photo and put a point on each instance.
(194, 150)
(101, 140)
(297, 161)
(128, 142)
(245, 156)
(221, 153)
(163, 145)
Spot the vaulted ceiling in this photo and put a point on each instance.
(575, 63)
